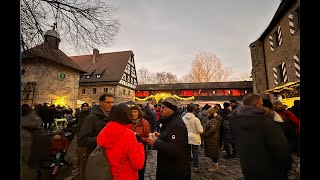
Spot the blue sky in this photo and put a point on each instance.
(166, 35)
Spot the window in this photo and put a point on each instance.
(105, 90)
(94, 90)
(23, 71)
(128, 93)
(87, 76)
(124, 92)
(83, 91)
(98, 76)
(280, 74)
(276, 39)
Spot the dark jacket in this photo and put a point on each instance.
(263, 148)
(90, 128)
(151, 119)
(174, 152)
(225, 124)
(211, 137)
(81, 116)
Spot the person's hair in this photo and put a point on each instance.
(278, 106)
(136, 107)
(226, 105)
(206, 107)
(85, 105)
(103, 96)
(219, 105)
(250, 99)
(267, 103)
(147, 110)
(121, 113)
(190, 108)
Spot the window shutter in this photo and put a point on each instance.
(271, 43)
(284, 72)
(291, 23)
(275, 75)
(279, 36)
(297, 65)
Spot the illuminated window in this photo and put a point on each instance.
(98, 76)
(87, 76)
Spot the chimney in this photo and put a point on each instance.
(95, 55)
(52, 38)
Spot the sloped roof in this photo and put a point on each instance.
(204, 85)
(46, 52)
(282, 9)
(110, 66)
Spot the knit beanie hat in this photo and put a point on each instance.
(171, 102)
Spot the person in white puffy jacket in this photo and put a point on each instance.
(194, 130)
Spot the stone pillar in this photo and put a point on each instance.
(259, 74)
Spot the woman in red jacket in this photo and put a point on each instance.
(142, 127)
(125, 154)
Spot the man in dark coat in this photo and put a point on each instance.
(234, 104)
(90, 128)
(263, 148)
(173, 158)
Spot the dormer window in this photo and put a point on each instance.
(98, 76)
(87, 76)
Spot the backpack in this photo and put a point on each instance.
(98, 167)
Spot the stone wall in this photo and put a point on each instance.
(264, 60)
(259, 78)
(116, 90)
(49, 88)
(290, 46)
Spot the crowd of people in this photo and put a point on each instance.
(261, 133)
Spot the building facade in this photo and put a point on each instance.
(275, 54)
(194, 92)
(113, 73)
(48, 75)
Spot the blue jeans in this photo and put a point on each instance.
(195, 150)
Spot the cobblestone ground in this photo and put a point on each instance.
(228, 169)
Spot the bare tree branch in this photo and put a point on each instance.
(207, 67)
(84, 24)
(243, 77)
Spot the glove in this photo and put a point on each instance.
(139, 139)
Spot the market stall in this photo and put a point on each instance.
(286, 93)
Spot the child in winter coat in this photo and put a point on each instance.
(58, 148)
